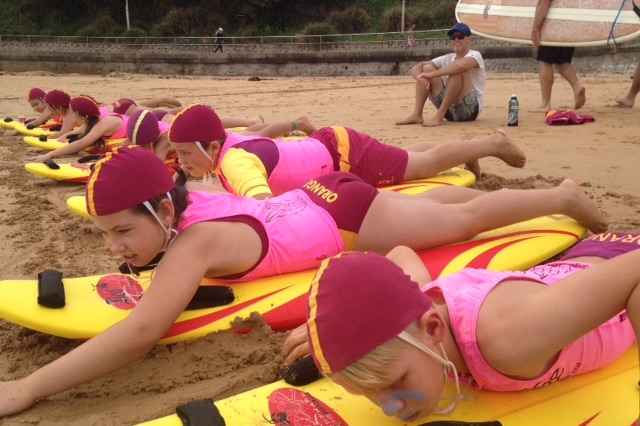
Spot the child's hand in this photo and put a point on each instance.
(41, 158)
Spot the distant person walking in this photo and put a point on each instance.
(411, 39)
(219, 36)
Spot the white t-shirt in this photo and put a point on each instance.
(478, 75)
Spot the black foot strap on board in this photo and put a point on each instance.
(50, 289)
(42, 138)
(89, 158)
(51, 164)
(8, 119)
(302, 372)
(460, 423)
(200, 413)
(210, 296)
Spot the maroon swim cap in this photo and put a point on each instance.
(142, 128)
(196, 123)
(124, 178)
(85, 105)
(357, 302)
(57, 98)
(36, 93)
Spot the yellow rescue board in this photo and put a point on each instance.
(455, 176)
(601, 398)
(97, 302)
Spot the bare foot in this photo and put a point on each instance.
(413, 119)
(625, 101)
(508, 151)
(474, 167)
(303, 124)
(542, 108)
(581, 97)
(435, 121)
(582, 208)
(256, 120)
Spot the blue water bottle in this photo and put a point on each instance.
(514, 107)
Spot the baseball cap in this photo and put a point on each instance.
(196, 123)
(142, 128)
(357, 302)
(124, 178)
(460, 27)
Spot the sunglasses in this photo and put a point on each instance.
(457, 37)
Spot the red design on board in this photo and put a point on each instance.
(119, 291)
(288, 406)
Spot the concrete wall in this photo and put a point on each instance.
(287, 59)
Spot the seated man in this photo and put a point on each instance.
(454, 82)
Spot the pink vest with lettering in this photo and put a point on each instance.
(299, 234)
(299, 161)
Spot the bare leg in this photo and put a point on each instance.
(283, 128)
(629, 99)
(161, 102)
(450, 154)
(458, 86)
(546, 84)
(228, 122)
(422, 94)
(579, 92)
(421, 223)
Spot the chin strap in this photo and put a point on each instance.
(449, 368)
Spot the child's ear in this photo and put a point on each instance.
(433, 325)
(166, 211)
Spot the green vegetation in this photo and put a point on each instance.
(200, 18)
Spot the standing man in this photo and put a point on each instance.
(219, 35)
(550, 57)
(629, 99)
(454, 82)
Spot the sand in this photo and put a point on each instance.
(39, 232)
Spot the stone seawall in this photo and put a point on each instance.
(295, 59)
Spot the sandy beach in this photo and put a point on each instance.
(40, 233)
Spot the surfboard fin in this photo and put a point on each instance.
(50, 289)
(300, 373)
(202, 412)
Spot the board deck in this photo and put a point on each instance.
(8, 124)
(71, 172)
(95, 303)
(53, 144)
(605, 397)
(455, 176)
(37, 131)
(568, 22)
(77, 172)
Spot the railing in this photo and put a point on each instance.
(333, 39)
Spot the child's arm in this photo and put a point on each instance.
(97, 132)
(411, 263)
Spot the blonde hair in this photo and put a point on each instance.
(370, 373)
